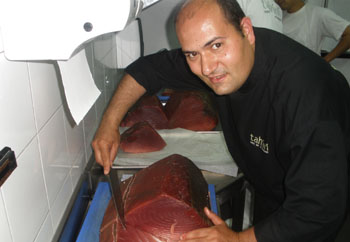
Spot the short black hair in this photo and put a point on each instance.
(232, 11)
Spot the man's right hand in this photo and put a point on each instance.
(107, 138)
(105, 145)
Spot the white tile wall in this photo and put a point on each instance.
(4, 225)
(78, 167)
(1, 45)
(90, 125)
(74, 136)
(17, 118)
(54, 154)
(100, 106)
(46, 231)
(46, 92)
(103, 54)
(51, 150)
(158, 21)
(58, 208)
(24, 195)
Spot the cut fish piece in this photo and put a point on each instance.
(161, 202)
(193, 110)
(141, 138)
(148, 108)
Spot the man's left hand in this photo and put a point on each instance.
(219, 232)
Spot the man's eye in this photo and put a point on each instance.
(216, 46)
(191, 55)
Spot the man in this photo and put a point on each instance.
(310, 25)
(263, 13)
(285, 114)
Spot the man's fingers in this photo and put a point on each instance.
(102, 154)
(106, 167)
(213, 217)
(113, 153)
(105, 151)
(105, 145)
(98, 156)
(195, 235)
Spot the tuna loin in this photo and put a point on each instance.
(193, 110)
(161, 202)
(148, 108)
(141, 138)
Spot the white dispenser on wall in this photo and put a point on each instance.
(53, 30)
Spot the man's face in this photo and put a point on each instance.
(215, 51)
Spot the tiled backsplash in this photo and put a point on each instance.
(51, 150)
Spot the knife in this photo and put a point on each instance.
(114, 184)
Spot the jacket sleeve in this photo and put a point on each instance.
(165, 69)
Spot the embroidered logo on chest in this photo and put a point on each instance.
(259, 142)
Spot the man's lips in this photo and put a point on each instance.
(217, 78)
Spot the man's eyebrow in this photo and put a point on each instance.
(185, 52)
(205, 45)
(212, 40)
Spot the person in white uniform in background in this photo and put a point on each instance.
(263, 13)
(310, 25)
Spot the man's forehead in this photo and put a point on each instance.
(195, 9)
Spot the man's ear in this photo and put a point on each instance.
(247, 29)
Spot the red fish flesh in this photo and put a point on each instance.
(148, 108)
(193, 110)
(161, 202)
(141, 138)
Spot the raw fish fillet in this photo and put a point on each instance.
(148, 108)
(161, 202)
(193, 110)
(141, 138)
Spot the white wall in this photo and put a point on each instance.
(51, 151)
(158, 21)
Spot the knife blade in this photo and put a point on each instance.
(114, 184)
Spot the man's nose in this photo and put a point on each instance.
(208, 64)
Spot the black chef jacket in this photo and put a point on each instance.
(287, 128)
